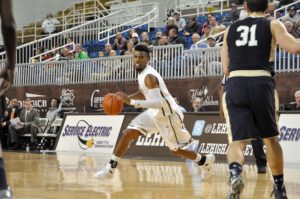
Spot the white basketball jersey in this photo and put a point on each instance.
(169, 106)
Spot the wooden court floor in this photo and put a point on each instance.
(70, 175)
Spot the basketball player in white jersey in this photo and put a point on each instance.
(162, 115)
(8, 27)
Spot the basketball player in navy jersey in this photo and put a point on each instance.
(162, 115)
(7, 74)
(250, 101)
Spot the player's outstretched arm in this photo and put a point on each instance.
(284, 39)
(9, 37)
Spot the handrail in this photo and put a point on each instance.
(126, 23)
(204, 40)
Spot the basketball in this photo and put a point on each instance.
(111, 105)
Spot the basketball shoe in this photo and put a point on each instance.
(6, 194)
(236, 186)
(207, 166)
(107, 171)
(279, 194)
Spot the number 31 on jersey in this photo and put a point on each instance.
(246, 38)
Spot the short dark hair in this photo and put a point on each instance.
(142, 48)
(257, 5)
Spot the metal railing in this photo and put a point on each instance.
(284, 8)
(70, 16)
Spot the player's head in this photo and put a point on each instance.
(257, 5)
(140, 57)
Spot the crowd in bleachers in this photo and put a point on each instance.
(178, 30)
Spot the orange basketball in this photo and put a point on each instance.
(111, 105)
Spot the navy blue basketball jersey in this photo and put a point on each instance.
(249, 45)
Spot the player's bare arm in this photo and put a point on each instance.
(284, 39)
(9, 36)
(224, 55)
(126, 98)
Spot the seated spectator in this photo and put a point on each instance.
(80, 54)
(211, 41)
(179, 22)
(195, 39)
(197, 107)
(71, 45)
(244, 12)
(52, 114)
(107, 51)
(130, 48)
(131, 33)
(135, 39)
(158, 35)
(145, 39)
(193, 27)
(163, 41)
(297, 100)
(206, 32)
(234, 14)
(207, 22)
(63, 56)
(49, 24)
(170, 25)
(12, 111)
(290, 28)
(215, 27)
(174, 38)
(120, 44)
(29, 118)
(292, 16)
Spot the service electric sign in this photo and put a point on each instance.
(92, 133)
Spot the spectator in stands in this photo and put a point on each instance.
(297, 28)
(215, 27)
(197, 107)
(195, 39)
(163, 40)
(53, 113)
(244, 12)
(290, 28)
(193, 27)
(64, 55)
(207, 22)
(179, 22)
(29, 118)
(12, 111)
(120, 44)
(108, 51)
(211, 41)
(158, 35)
(174, 38)
(131, 33)
(71, 45)
(234, 14)
(270, 10)
(130, 48)
(49, 24)
(145, 39)
(206, 32)
(80, 54)
(292, 16)
(135, 39)
(170, 25)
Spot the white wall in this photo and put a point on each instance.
(27, 11)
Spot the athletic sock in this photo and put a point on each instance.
(114, 161)
(3, 182)
(235, 169)
(278, 181)
(200, 159)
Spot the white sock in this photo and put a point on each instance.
(115, 158)
(198, 158)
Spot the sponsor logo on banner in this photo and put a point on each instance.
(289, 127)
(97, 133)
(198, 128)
(216, 128)
(202, 93)
(38, 101)
(67, 99)
(96, 100)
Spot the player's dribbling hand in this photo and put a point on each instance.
(6, 80)
(123, 96)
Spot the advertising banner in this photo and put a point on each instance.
(91, 133)
(289, 126)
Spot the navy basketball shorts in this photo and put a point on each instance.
(251, 108)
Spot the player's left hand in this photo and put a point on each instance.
(123, 96)
(6, 80)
